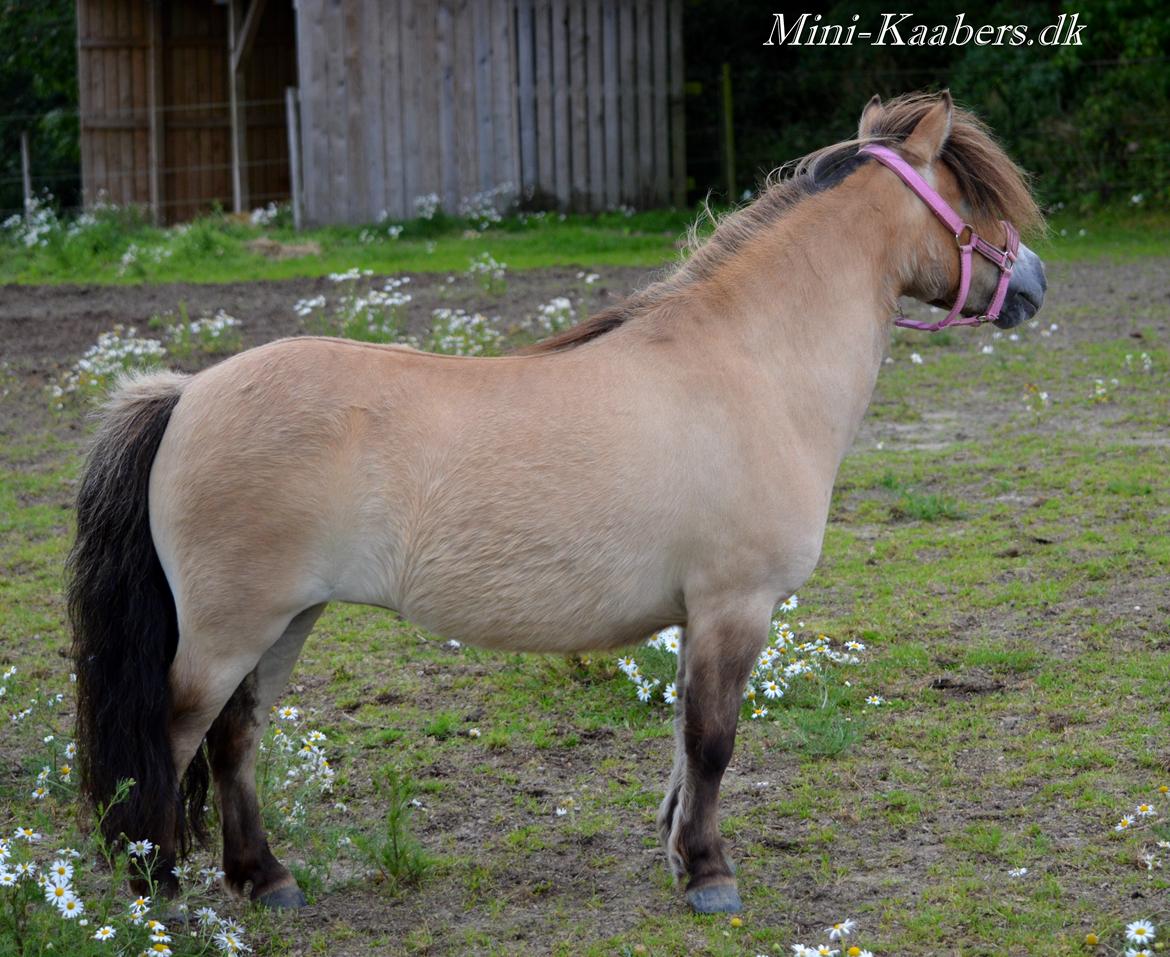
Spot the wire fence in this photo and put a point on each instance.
(1124, 156)
(195, 174)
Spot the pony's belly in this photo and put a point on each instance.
(503, 607)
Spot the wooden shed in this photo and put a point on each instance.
(576, 104)
(156, 98)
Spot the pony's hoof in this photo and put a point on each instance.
(715, 899)
(288, 897)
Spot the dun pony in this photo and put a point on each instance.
(669, 461)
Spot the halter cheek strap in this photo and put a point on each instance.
(1004, 259)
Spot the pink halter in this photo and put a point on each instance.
(1004, 259)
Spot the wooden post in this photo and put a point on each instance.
(294, 154)
(154, 96)
(26, 173)
(678, 141)
(236, 95)
(728, 136)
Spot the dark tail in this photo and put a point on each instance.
(125, 629)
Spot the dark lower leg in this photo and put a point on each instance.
(719, 659)
(231, 743)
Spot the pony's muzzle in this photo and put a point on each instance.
(1026, 290)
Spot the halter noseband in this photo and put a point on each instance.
(1004, 259)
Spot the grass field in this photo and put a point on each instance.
(115, 248)
(998, 540)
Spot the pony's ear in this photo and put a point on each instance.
(927, 139)
(869, 117)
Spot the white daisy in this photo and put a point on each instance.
(1140, 932)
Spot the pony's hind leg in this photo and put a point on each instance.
(232, 745)
(718, 653)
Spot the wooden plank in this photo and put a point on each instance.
(205, 156)
(678, 143)
(310, 72)
(611, 70)
(560, 54)
(392, 148)
(596, 106)
(545, 135)
(412, 65)
(629, 105)
(445, 63)
(237, 94)
(154, 104)
(112, 43)
(115, 122)
(466, 115)
(504, 93)
(660, 189)
(139, 137)
(126, 163)
(526, 78)
(484, 133)
(371, 65)
(247, 34)
(293, 127)
(645, 50)
(427, 100)
(357, 171)
(578, 110)
(110, 103)
(335, 119)
(25, 173)
(83, 97)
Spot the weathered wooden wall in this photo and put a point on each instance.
(113, 52)
(577, 102)
(153, 91)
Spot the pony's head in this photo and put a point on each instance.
(957, 156)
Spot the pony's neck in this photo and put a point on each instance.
(811, 297)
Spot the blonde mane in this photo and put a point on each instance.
(994, 186)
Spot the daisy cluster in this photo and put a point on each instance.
(488, 272)
(136, 254)
(214, 335)
(64, 900)
(784, 664)
(486, 208)
(458, 333)
(838, 943)
(1145, 818)
(1143, 361)
(115, 352)
(553, 316)
(391, 231)
(266, 215)
(428, 206)
(295, 765)
(372, 315)
(36, 226)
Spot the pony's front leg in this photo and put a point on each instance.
(717, 656)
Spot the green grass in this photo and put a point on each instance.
(1116, 233)
(1021, 556)
(216, 248)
